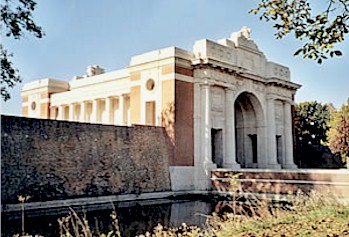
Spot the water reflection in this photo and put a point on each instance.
(134, 217)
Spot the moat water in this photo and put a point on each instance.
(134, 218)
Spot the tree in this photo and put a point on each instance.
(321, 31)
(16, 19)
(311, 122)
(311, 125)
(338, 134)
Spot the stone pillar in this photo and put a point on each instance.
(121, 111)
(108, 110)
(197, 124)
(94, 111)
(202, 134)
(271, 139)
(288, 163)
(83, 111)
(206, 124)
(71, 112)
(61, 112)
(230, 146)
(53, 111)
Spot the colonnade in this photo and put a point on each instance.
(109, 110)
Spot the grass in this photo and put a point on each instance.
(324, 221)
(306, 216)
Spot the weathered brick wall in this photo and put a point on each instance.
(51, 160)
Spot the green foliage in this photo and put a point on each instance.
(183, 231)
(9, 76)
(311, 122)
(338, 134)
(321, 31)
(320, 218)
(16, 19)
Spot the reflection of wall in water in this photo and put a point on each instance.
(134, 218)
(139, 219)
(191, 213)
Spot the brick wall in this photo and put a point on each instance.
(50, 160)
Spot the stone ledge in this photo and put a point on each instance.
(316, 171)
(151, 198)
(286, 181)
(272, 196)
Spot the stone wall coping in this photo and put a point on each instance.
(312, 171)
(284, 181)
(161, 54)
(153, 197)
(272, 196)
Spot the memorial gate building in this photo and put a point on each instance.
(222, 104)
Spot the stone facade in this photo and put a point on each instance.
(223, 104)
(50, 160)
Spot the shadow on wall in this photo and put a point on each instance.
(50, 160)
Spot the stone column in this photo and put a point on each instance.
(197, 124)
(289, 163)
(94, 111)
(203, 159)
(271, 139)
(206, 124)
(230, 146)
(53, 111)
(83, 111)
(120, 120)
(71, 112)
(61, 112)
(108, 110)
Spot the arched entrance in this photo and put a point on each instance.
(249, 130)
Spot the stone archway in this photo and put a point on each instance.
(249, 130)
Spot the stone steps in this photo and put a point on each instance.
(326, 182)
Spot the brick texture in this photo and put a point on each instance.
(50, 160)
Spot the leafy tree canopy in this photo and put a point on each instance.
(311, 122)
(338, 134)
(16, 19)
(321, 31)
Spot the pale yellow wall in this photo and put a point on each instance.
(25, 111)
(135, 76)
(135, 99)
(150, 113)
(45, 110)
(168, 92)
(168, 69)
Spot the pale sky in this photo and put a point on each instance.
(80, 33)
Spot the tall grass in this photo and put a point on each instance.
(301, 215)
(304, 215)
(74, 225)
